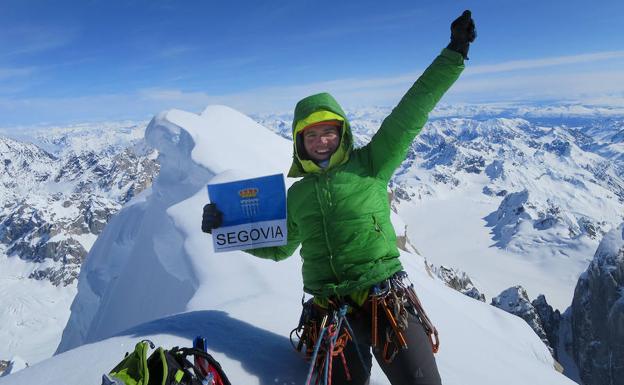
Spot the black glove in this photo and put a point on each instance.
(212, 218)
(463, 33)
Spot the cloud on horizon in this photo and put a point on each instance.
(544, 62)
(579, 83)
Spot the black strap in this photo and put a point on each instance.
(196, 352)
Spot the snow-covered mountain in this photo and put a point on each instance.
(56, 202)
(516, 301)
(152, 274)
(457, 280)
(58, 189)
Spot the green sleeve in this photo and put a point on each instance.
(278, 253)
(389, 146)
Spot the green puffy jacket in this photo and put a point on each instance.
(340, 214)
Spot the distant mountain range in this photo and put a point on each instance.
(59, 190)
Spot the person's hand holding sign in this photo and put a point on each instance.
(212, 218)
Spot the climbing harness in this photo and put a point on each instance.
(323, 333)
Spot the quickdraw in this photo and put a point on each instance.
(430, 330)
(396, 298)
(307, 331)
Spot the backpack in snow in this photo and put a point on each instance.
(166, 367)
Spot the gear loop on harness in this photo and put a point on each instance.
(396, 297)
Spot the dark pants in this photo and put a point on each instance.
(412, 366)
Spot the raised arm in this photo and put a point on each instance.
(389, 146)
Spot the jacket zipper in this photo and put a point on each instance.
(379, 229)
(323, 214)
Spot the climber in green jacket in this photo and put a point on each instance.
(339, 211)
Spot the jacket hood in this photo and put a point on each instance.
(313, 109)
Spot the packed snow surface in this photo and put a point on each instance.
(152, 274)
(30, 308)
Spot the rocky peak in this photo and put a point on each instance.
(458, 280)
(3, 366)
(550, 319)
(9, 367)
(597, 314)
(515, 300)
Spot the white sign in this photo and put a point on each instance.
(254, 213)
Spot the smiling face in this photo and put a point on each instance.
(321, 141)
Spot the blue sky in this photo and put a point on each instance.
(68, 61)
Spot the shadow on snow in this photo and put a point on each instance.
(262, 353)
